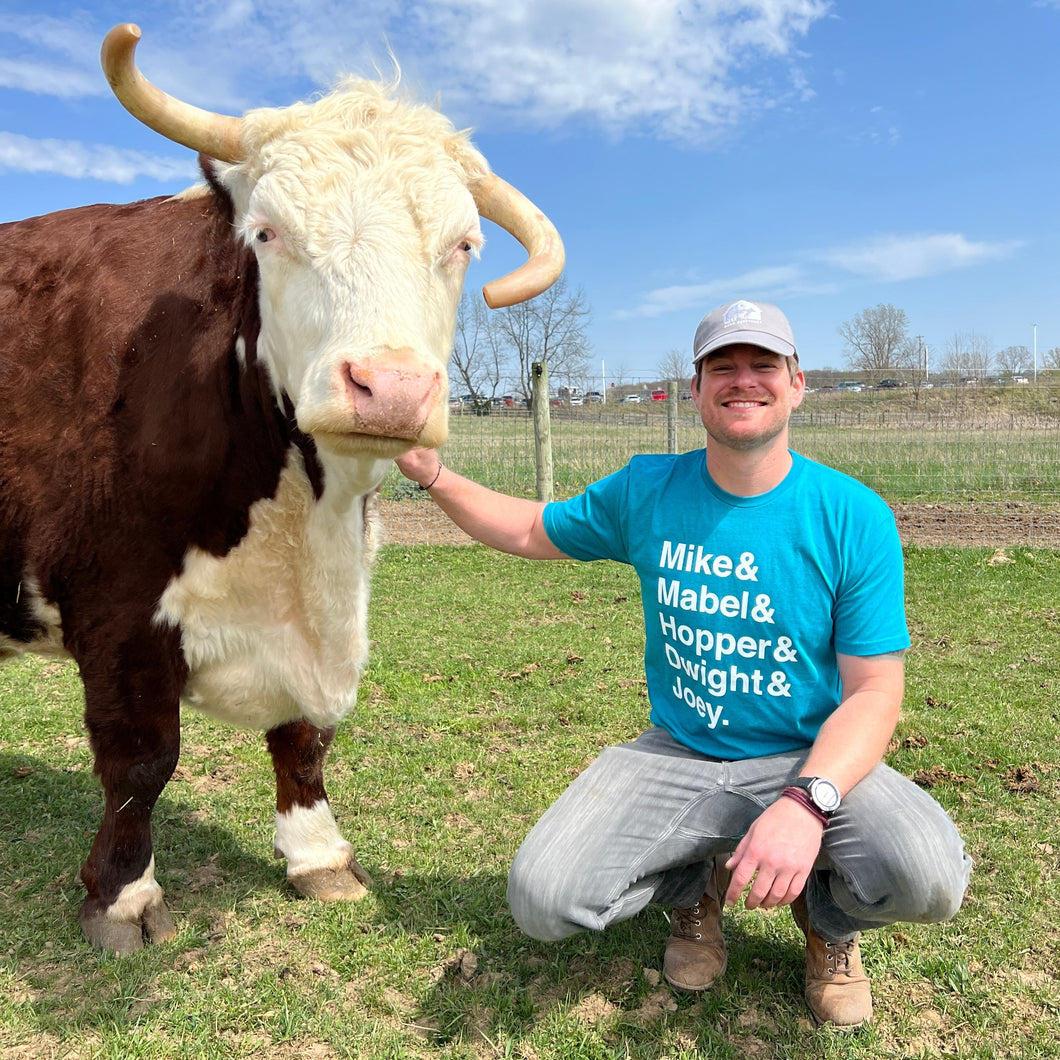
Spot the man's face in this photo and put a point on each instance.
(745, 395)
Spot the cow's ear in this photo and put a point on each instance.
(212, 171)
(208, 166)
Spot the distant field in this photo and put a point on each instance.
(987, 445)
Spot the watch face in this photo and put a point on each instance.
(825, 794)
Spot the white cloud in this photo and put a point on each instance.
(673, 69)
(72, 37)
(69, 158)
(680, 71)
(769, 283)
(884, 259)
(50, 56)
(46, 79)
(892, 258)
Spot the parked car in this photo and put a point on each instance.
(631, 399)
(594, 397)
(851, 386)
(577, 401)
(888, 384)
(659, 395)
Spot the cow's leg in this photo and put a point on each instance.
(320, 863)
(136, 751)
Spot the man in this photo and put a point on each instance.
(775, 627)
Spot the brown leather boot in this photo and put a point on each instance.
(695, 951)
(837, 990)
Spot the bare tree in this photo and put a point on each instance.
(981, 348)
(955, 360)
(478, 361)
(1051, 358)
(1014, 359)
(550, 328)
(617, 376)
(877, 340)
(676, 366)
(968, 355)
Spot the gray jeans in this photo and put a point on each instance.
(643, 822)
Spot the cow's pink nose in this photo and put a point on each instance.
(391, 392)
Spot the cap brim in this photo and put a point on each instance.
(773, 343)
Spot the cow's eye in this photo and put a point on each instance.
(471, 244)
(264, 235)
(458, 252)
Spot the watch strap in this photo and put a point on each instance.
(802, 797)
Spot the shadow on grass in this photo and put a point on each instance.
(48, 819)
(503, 986)
(485, 980)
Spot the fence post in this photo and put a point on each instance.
(671, 416)
(542, 431)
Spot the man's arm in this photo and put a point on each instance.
(781, 846)
(508, 524)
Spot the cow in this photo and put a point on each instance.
(200, 397)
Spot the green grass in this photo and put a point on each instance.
(493, 682)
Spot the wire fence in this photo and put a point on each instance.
(953, 446)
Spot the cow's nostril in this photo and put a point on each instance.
(389, 393)
(358, 385)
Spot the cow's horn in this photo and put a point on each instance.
(216, 135)
(515, 213)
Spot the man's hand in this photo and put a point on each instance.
(420, 465)
(508, 524)
(779, 849)
(778, 853)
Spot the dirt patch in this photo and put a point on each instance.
(1008, 525)
(419, 522)
(1014, 523)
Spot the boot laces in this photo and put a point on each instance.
(685, 921)
(839, 956)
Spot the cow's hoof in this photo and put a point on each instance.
(127, 936)
(347, 884)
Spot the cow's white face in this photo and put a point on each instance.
(359, 207)
(362, 254)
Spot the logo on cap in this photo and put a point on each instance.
(742, 313)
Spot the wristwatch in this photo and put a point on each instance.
(823, 793)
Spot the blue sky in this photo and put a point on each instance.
(826, 155)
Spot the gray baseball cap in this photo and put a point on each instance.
(754, 323)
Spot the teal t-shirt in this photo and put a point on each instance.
(746, 600)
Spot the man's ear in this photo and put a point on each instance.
(696, 397)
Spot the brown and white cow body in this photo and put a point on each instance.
(200, 396)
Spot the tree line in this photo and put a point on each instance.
(878, 342)
(494, 351)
